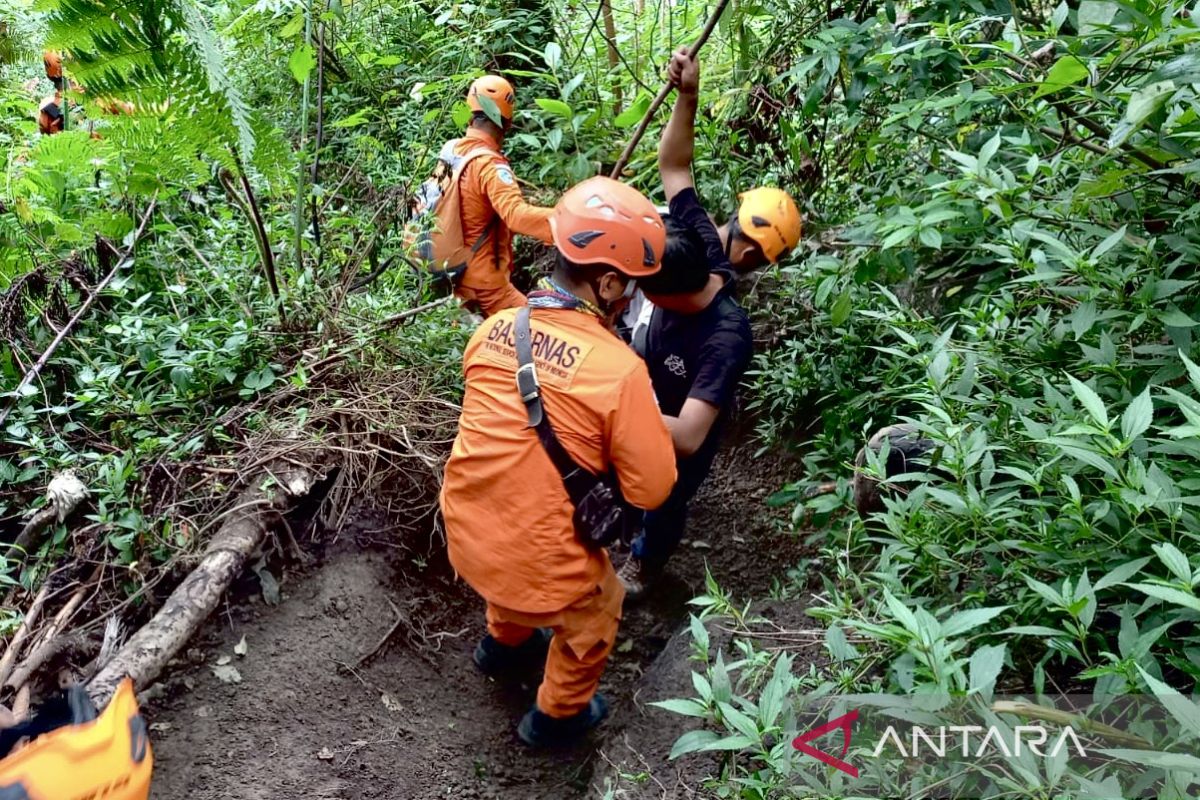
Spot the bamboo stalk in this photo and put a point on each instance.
(661, 97)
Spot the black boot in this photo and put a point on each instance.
(498, 660)
(540, 730)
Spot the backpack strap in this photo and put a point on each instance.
(467, 158)
(531, 396)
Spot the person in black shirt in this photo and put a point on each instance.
(767, 225)
(697, 344)
(687, 325)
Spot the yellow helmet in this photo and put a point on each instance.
(77, 754)
(770, 219)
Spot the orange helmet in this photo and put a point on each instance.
(85, 756)
(770, 219)
(498, 90)
(53, 64)
(602, 221)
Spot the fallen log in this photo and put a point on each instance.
(148, 651)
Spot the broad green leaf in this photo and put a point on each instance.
(1182, 70)
(357, 118)
(985, 666)
(841, 309)
(931, 237)
(1083, 318)
(293, 27)
(898, 236)
(1047, 592)
(1175, 318)
(1192, 368)
(1034, 630)
(989, 149)
(389, 61)
(1090, 401)
(490, 109)
(1155, 758)
(1138, 416)
(837, 644)
(556, 107)
(1111, 241)
(301, 62)
(970, 619)
(1142, 103)
(722, 689)
(902, 613)
(742, 723)
(461, 114)
(633, 115)
(691, 742)
(1067, 71)
(1167, 594)
(774, 694)
(1174, 560)
(1095, 14)
(739, 742)
(1088, 457)
(1121, 573)
(1181, 708)
(553, 55)
(699, 632)
(685, 706)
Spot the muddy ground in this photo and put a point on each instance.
(305, 720)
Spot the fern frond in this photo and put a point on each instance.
(212, 55)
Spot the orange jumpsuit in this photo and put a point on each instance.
(508, 517)
(490, 196)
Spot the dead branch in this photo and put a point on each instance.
(29, 535)
(26, 628)
(396, 319)
(661, 97)
(401, 619)
(50, 642)
(148, 651)
(36, 369)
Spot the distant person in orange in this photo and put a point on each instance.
(50, 110)
(493, 207)
(508, 517)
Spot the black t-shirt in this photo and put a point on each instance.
(685, 207)
(702, 355)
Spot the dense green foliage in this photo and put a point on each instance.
(1001, 246)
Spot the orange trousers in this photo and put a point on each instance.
(584, 635)
(490, 300)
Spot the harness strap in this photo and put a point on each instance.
(531, 396)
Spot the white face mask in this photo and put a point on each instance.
(630, 288)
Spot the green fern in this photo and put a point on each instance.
(154, 52)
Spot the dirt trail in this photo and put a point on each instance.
(418, 721)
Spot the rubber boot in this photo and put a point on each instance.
(541, 730)
(498, 660)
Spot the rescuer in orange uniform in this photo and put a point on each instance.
(492, 203)
(50, 114)
(508, 516)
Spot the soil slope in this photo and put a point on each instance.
(417, 720)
